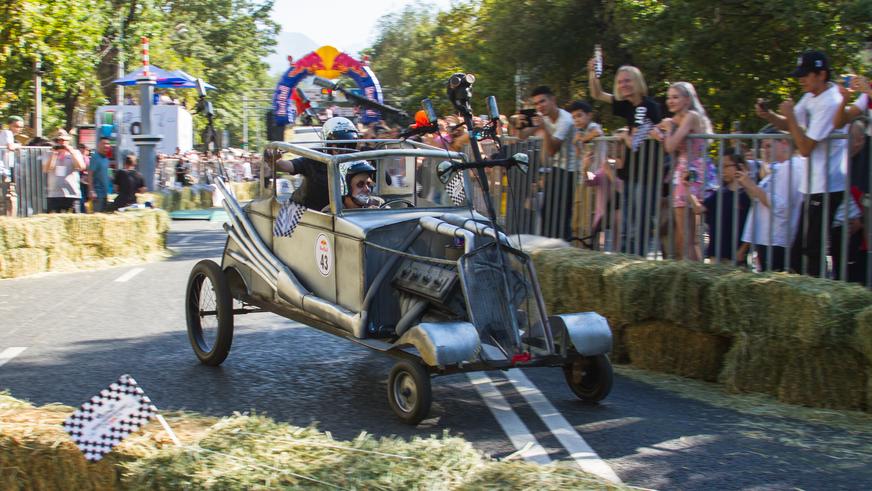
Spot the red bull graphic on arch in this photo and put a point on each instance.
(330, 63)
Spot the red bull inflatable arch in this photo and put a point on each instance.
(330, 63)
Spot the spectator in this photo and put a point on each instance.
(777, 203)
(98, 176)
(554, 126)
(604, 181)
(84, 178)
(689, 171)
(8, 145)
(636, 169)
(63, 167)
(857, 246)
(859, 140)
(128, 182)
(732, 210)
(810, 122)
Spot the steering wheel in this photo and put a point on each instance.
(387, 204)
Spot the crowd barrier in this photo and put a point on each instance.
(605, 201)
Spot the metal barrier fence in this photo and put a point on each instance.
(23, 188)
(657, 205)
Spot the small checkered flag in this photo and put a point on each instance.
(108, 418)
(287, 219)
(455, 189)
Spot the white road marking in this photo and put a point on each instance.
(579, 450)
(515, 429)
(10, 353)
(184, 240)
(128, 275)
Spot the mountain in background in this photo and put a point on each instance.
(289, 43)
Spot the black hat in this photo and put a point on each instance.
(811, 61)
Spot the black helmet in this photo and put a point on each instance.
(339, 128)
(351, 169)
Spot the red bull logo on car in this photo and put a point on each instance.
(330, 63)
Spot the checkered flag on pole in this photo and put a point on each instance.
(455, 189)
(288, 217)
(109, 417)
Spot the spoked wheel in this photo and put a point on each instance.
(209, 311)
(409, 392)
(589, 377)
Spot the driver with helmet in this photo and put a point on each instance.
(313, 194)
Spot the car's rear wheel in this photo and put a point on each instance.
(409, 391)
(209, 313)
(589, 377)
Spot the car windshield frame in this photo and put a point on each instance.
(411, 149)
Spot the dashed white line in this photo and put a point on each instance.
(10, 353)
(579, 450)
(184, 240)
(128, 275)
(526, 444)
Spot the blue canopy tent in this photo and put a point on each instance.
(166, 79)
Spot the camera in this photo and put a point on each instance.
(527, 120)
(846, 80)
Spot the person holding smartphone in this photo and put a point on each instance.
(810, 122)
(630, 100)
(62, 168)
(855, 84)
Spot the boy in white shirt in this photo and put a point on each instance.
(774, 216)
(810, 122)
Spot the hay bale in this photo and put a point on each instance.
(14, 232)
(24, 261)
(666, 347)
(863, 333)
(253, 452)
(797, 373)
(82, 229)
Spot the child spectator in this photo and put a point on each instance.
(777, 203)
(733, 208)
(689, 172)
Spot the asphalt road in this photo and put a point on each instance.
(81, 330)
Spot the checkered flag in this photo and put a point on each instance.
(642, 133)
(288, 217)
(455, 189)
(102, 422)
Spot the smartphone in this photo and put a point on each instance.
(763, 103)
(846, 80)
(528, 117)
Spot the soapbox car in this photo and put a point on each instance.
(423, 278)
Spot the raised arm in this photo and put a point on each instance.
(596, 90)
(675, 138)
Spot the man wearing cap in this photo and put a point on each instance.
(62, 169)
(810, 122)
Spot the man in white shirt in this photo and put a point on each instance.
(810, 122)
(8, 145)
(774, 216)
(554, 126)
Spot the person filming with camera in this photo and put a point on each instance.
(62, 169)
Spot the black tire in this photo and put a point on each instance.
(409, 392)
(211, 334)
(589, 377)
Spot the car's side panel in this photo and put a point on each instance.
(310, 253)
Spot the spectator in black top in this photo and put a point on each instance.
(735, 202)
(631, 102)
(128, 182)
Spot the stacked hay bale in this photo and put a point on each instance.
(195, 197)
(68, 241)
(805, 340)
(261, 454)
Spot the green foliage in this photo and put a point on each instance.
(732, 52)
(79, 42)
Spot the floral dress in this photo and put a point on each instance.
(690, 159)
